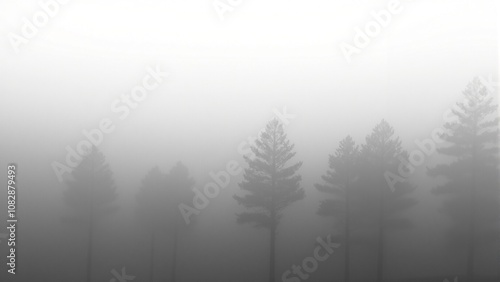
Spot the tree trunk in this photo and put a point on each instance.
(381, 222)
(272, 229)
(151, 256)
(272, 251)
(91, 225)
(347, 234)
(381, 234)
(471, 229)
(89, 249)
(472, 214)
(470, 246)
(174, 256)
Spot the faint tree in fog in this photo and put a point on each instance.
(157, 210)
(179, 188)
(90, 194)
(151, 209)
(382, 152)
(472, 174)
(270, 184)
(338, 181)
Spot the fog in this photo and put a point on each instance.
(187, 87)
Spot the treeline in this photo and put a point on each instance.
(363, 193)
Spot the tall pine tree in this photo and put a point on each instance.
(382, 206)
(151, 209)
(157, 210)
(179, 186)
(471, 141)
(270, 184)
(339, 180)
(90, 194)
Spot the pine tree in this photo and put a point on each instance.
(270, 184)
(179, 185)
(382, 153)
(90, 193)
(338, 181)
(151, 209)
(158, 199)
(471, 141)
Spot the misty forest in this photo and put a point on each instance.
(250, 141)
(365, 203)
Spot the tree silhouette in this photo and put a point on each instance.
(270, 184)
(90, 193)
(471, 141)
(158, 200)
(338, 180)
(179, 186)
(151, 209)
(381, 153)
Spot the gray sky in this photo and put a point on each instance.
(226, 77)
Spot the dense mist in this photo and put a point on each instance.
(249, 141)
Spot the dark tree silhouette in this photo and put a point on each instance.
(179, 186)
(381, 153)
(471, 140)
(90, 193)
(270, 184)
(338, 181)
(151, 209)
